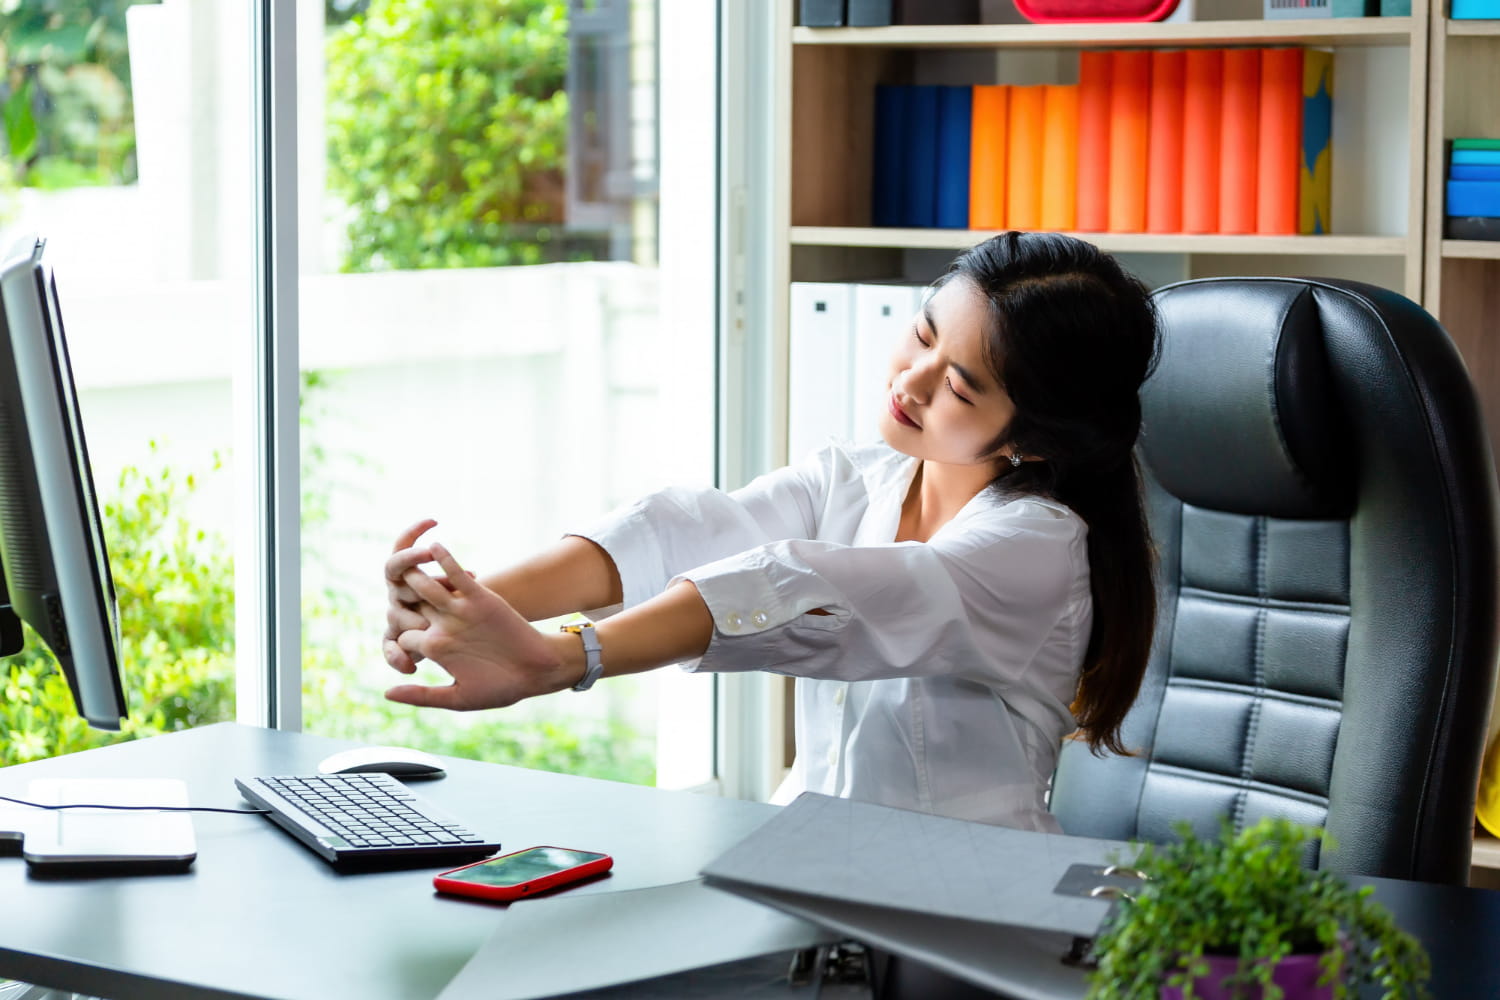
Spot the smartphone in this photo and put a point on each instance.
(522, 873)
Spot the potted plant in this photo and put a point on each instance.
(1242, 917)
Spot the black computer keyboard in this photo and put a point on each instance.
(357, 818)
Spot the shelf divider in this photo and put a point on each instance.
(1316, 31)
(961, 239)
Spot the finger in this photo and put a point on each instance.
(398, 658)
(402, 560)
(409, 537)
(460, 579)
(403, 619)
(429, 590)
(424, 696)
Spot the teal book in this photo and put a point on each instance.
(1395, 8)
(1356, 8)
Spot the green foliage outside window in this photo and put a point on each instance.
(176, 600)
(175, 586)
(447, 132)
(65, 99)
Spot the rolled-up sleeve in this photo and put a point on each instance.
(976, 601)
(662, 535)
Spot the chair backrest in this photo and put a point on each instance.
(1323, 500)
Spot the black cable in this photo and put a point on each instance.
(85, 805)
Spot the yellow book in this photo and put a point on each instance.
(1315, 162)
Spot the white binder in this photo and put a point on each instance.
(883, 314)
(819, 366)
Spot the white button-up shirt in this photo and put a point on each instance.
(940, 677)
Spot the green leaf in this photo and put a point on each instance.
(20, 123)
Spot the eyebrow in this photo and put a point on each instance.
(979, 387)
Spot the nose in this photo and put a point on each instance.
(917, 381)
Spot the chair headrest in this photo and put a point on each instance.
(1241, 414)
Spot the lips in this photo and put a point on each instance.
(901, 417)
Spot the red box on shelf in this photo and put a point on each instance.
(1095, 10)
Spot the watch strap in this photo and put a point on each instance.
(593, 661)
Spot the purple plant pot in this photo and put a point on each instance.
(1297, 975)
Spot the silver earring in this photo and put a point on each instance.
(1016, 460)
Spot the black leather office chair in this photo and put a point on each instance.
(1323, 500)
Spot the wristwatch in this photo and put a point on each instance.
(594, 666)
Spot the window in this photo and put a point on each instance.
(127, 137)
(505, 320)
(506, 324)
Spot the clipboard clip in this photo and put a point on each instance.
(1106, 883)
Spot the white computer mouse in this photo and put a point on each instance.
(403, 762)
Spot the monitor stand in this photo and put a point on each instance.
(102, 841)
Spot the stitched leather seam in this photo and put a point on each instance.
(1257, 664)
(1264, 694)
(1140, 798)
(1273, 603)
(1242, 785)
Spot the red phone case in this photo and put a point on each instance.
(598, 866)
(1095, 10)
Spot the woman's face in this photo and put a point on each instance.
(944, 404)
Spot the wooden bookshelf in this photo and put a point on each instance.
(824, 110)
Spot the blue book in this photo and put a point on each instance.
(920, 204)
(955, 127)
(1490, 156)
(1474, 172)
(1473, 198)
(888, 190)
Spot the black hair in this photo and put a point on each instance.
(1071, 337)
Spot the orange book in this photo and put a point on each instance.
(1202, 94)
(987, 157)
(1164, 143)
(1093, 141)
(1023, 173)
(1277, 177)
(1239, 128)
(1129, 117)
(1059, 157)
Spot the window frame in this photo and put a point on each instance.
(751, 210)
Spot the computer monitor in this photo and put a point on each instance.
(56, 569)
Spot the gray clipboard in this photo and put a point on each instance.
(977, 901)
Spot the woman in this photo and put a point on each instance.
(953, 602)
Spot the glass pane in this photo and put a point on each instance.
(487, 336)
(127, 146)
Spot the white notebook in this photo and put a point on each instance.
(114, 839)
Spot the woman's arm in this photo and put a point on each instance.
(496, 658)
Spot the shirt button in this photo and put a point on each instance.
(833, 756)
(733, 623)
(760, 618)
(838, 696)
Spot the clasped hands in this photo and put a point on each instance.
(494, 655)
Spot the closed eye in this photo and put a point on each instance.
(955, 392)
(916, 331)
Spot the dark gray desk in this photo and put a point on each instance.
(260, 915)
